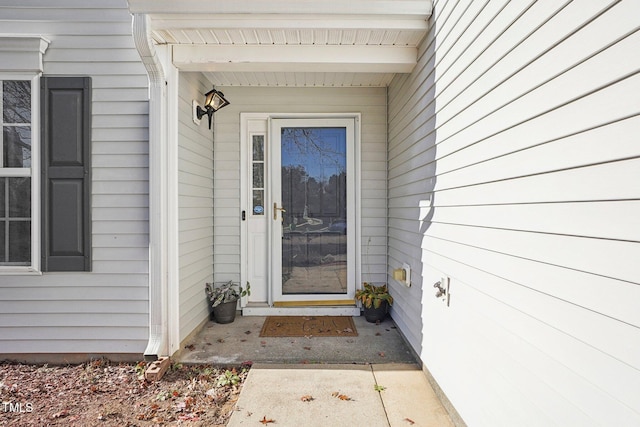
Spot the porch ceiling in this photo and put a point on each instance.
(290, 42)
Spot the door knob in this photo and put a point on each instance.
(275, 211)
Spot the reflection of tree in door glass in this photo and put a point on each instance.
(314, 194)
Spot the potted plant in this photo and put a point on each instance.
(223, 299)
(375, 301)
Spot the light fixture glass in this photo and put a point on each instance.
(214, 100)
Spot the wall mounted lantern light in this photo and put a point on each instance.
(214, 100)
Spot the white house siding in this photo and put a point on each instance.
(370, 102)
(195, 199)
(105, 311)
(517, 133)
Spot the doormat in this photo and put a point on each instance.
(309, 326)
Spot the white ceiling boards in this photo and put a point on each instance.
(290, 42)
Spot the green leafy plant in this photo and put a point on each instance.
(227, 292)
(140, 369)
(379, 388)
(372, 296)
(228, 378)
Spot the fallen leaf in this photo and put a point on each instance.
(190, 347)
(220, 340)
(307, 348)
(410, 421)
(189, 417)
(381, 353)
(378, 334)
(61, 414)
(266, 421)
(189, 401)
(247, 332)
(340, 396)
(306, 398)
(243, 340)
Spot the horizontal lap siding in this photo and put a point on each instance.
(371, 102)
(195, 194)
(515, 141)
(105, 311)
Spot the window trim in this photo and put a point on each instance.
(36, 214)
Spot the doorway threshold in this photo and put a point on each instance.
(265, 310)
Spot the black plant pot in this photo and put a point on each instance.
(374, 315)
(225, 312)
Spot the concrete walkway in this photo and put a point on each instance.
(338, 395)
(287, 369)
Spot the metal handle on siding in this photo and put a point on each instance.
(441, 291)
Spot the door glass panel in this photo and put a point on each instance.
(257, 174)
(258, 147)
(314, 223)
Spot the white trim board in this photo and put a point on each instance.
(265, 309)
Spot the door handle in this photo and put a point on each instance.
(275, 211)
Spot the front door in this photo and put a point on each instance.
(312, 212)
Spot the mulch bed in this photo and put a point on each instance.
(101, 393)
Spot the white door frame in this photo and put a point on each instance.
(260, 308)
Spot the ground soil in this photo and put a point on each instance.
(101, 393)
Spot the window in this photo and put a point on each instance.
(257, 163)
(45, 174)
(16, 171)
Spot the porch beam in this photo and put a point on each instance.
(295, 58)
(350, 7)
(289, 21)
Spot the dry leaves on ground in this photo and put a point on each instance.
(108, 394)
(340, 396)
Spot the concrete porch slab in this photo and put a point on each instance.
(240, 341)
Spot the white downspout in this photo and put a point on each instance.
(158, 212)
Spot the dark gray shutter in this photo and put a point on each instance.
(66, 173)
